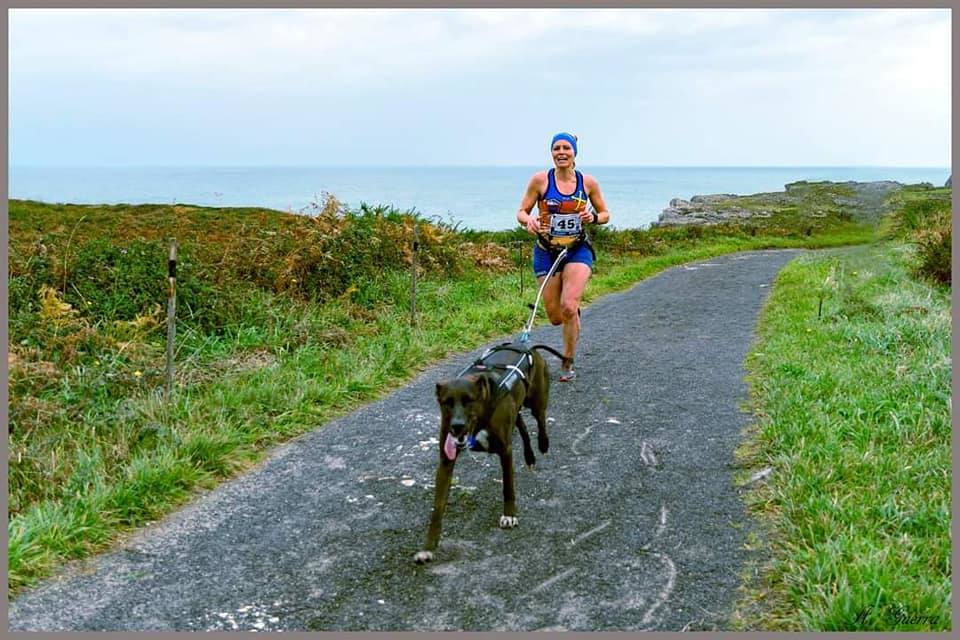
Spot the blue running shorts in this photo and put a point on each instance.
(542, 260)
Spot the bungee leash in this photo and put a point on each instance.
(525, 336)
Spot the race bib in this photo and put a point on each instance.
(565, 225)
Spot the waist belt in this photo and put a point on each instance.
(554, 251)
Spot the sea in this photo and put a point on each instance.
(481, 198)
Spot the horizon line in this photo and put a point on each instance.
(469, 166)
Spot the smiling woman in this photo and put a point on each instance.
(563, 256)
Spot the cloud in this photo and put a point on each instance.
(361, 45)
(352, 40)
(622, 77)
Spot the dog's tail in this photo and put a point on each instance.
(544, 347)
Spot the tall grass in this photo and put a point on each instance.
(923, 215)
(851, 380)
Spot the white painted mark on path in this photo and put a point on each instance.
(550, 581)
(579, 439)
(661, 526)
(376, 477)
(421, 418)
(702, 264)
(666, 591)
(613, 421)
(584, 536)
(252, 617)
(426, 444)
(646, 454)
(334, 462)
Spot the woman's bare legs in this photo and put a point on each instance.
(561, 299)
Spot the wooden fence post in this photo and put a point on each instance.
(171, 314)
(522, 244)
(413, 301)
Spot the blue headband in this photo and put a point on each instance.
(565, 136)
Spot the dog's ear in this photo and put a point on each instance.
(441, 387)
(483, 386)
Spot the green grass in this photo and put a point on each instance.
(851, 379)
(280, 329)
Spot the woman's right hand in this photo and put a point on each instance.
(535, 190)
(533, 224)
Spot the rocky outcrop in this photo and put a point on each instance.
(862, 201)
(712, 209)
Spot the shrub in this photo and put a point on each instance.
(321, 257)
(30, 269)
(934, 245)
(117, 281)
(917, 210)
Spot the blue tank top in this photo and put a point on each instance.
(559, 213)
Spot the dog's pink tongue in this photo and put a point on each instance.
(450, 447)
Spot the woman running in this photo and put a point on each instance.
(562, 196)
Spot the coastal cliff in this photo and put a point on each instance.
(858, 201)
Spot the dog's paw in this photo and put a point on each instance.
(509, 522)
(422, 557)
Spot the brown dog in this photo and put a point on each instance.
(479, 408)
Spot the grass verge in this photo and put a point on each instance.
(850, 378)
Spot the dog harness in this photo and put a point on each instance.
(511, 372)
(519, 370)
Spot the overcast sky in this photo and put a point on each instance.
(479, 86)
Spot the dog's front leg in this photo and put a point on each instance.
(509, 518)
(442, 482)
(528, 458)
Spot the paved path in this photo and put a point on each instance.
(631, 522)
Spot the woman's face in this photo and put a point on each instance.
(562, 152)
